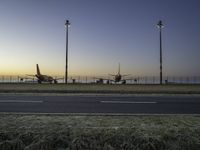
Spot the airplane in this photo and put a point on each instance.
(117, 78)
(42, 78)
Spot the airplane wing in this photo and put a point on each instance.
(129, 79)
(26, 78)
(30, 75)
(102, 79)
(58, 78)
(125, 75)
(111, 75)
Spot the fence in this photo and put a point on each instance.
(93, 79)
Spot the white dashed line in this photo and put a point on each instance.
(127, 102)
(19, 101)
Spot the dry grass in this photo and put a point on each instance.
(95, 88)
(53, 132)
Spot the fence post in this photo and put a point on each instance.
(10, 79)
(79, 79)
(145, 80)
(194, 79)
(188, 80)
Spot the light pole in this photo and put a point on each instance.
(67, 24)
(160, 26)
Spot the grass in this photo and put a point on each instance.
(96, 88)
(63, 132)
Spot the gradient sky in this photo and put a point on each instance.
(102, 34)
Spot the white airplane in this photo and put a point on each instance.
(117, 78)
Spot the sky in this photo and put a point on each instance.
(102, 34)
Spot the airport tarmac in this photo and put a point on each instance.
(100, 104)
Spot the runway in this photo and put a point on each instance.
(101, 104)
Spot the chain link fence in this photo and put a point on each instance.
(104, 79)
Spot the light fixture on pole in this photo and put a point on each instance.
(67, 24)
(160, 26)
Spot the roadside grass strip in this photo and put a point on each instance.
(96, 88)
(64, 132)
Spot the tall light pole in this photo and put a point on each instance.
(160, 26)
(67, 24)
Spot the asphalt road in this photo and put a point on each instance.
(101, 104)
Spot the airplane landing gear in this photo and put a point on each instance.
(108, 82)
(124, 82)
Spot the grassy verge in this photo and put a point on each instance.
(95, 88)
(62, 132)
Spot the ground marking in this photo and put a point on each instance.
(127, 102)
(19, 101)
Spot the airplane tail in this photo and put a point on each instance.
(119, 69)
(38, 70)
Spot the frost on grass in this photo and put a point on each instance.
(53, 132)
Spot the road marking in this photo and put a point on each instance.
(19, 101)
(127, 102)
(99, 114)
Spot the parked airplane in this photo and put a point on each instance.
(117, 78)
(43, 78)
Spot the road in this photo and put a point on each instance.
(111, 104)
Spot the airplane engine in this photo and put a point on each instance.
(124, 82)
(100, 81)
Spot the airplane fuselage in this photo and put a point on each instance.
(44, 78)
(118, 78)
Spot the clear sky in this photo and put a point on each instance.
(102, 34)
